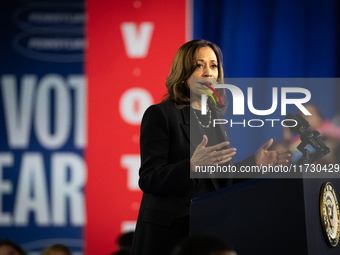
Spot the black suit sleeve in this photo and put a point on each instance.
(158, 174)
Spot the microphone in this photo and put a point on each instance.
(297, 123)
(301, 126)
(302, 120)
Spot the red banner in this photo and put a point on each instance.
(131, 45)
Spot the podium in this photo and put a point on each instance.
(266, 216)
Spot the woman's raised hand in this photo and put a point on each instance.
(207, 156)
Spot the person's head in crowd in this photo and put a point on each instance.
(204, 245)
(121, 252)
(57, 249)
(124, 243)
(315, 119)
(7, 247)
(333, 157)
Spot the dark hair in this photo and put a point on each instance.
(124, 243)
(13, 245)
(56, 247)
(126, 239)
(202, 245)
(121, 252)
(183, 65)
(317, 109)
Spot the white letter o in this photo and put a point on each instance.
(133, 104)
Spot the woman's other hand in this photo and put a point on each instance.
(263, 157)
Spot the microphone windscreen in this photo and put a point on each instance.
(303, 120)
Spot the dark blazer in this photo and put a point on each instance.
(166, 149)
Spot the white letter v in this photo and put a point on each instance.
(137, 42)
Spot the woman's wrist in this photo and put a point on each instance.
(192, 166)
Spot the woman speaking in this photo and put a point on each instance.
(165, 144)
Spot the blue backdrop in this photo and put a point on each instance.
(281, 38)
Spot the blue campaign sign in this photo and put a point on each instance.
(42, 124)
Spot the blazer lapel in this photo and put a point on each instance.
(221, 128)
(193, 132)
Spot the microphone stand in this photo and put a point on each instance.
(307, 137)
(314, 139)
(305, 157)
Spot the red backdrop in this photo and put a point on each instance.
(130, 48)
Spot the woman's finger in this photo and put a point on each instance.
(267, 144)
(225, 160)
(283, 156)
(218, 146)
(281, 162)
(283, 151)
(204, 141)
(223, 152)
